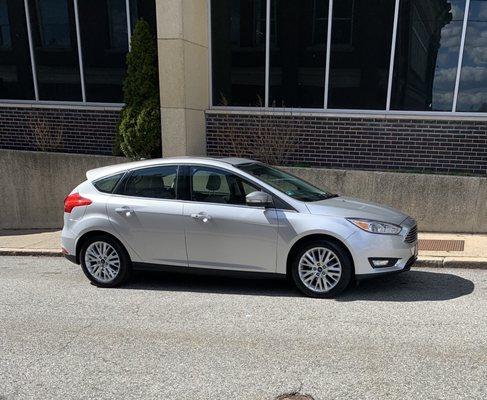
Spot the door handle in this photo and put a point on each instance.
(201, 216)
(124, 210)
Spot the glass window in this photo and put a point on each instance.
(238, 52)
(426, 57)
(117, 24)
(16, 80)
(56, 49)
(213, 185)
(155, 182)
(143, 9)
(343, 15)
(286, 183)
(472, 91)
(298, 53)
(53, 23)
(104, 38)
(360, 54)
(106, 185)
(5, 40)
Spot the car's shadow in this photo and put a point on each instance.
(415, 285)
(182, 282)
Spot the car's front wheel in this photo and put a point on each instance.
(321, 269)
(105, 262)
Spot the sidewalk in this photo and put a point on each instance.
(32, 242)
(473, 254)
(435, 249)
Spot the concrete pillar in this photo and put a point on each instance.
(182, 39)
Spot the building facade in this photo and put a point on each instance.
(62, 64)
(354, 84)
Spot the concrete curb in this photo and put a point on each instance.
(31, 252)
(426, 262)
(450, 262)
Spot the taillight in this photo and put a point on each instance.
(75, 200)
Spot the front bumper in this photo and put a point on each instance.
(407, 267)
(365, 246)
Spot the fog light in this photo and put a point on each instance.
(383, 262)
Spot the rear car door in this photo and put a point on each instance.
(148, 215)
(222, 232)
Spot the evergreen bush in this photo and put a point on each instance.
(139, 129)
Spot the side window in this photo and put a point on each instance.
(155, 182)
(106, 185)
(212, 185)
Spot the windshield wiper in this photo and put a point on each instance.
(330, 196)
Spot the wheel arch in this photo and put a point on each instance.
(98, 232)
(310, 238)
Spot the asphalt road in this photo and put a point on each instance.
(420, 335)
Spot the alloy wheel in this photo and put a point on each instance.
(102, 261)
(319, 269)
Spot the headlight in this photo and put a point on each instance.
(375, 226)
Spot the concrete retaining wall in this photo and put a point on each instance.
(440, 203)
(33, 185)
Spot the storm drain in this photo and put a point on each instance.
(441, 245)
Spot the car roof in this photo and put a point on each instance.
(211, 161)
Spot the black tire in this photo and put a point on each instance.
(346, 269)
(124, 271)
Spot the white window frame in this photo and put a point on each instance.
(36, 102)
(386, 112)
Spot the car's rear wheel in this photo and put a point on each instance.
(321, 269)
(105, 262)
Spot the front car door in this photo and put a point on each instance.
(222, 232)
(148, 215)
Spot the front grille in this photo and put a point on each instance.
(412, 235)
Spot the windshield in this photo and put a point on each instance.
(286, 183)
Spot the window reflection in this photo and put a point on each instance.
(53, 21)
(360, 53)
(104, 43)
(427, 49)
(320, 21)
(56, 49)
(238, 52)
(5, 40)
(143, 9)
(472, 92)
(343, 16)
(117, 24)
(15, 66)
(298, 53)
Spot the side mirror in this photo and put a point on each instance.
(258, 199)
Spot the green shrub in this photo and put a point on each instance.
(139, 129)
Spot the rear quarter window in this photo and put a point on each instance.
(106, 185)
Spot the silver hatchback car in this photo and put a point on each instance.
(230, 215)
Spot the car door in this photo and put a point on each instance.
(222, 232)
(148, 215)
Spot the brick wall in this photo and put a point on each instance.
(439, 146)
(84, 131)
